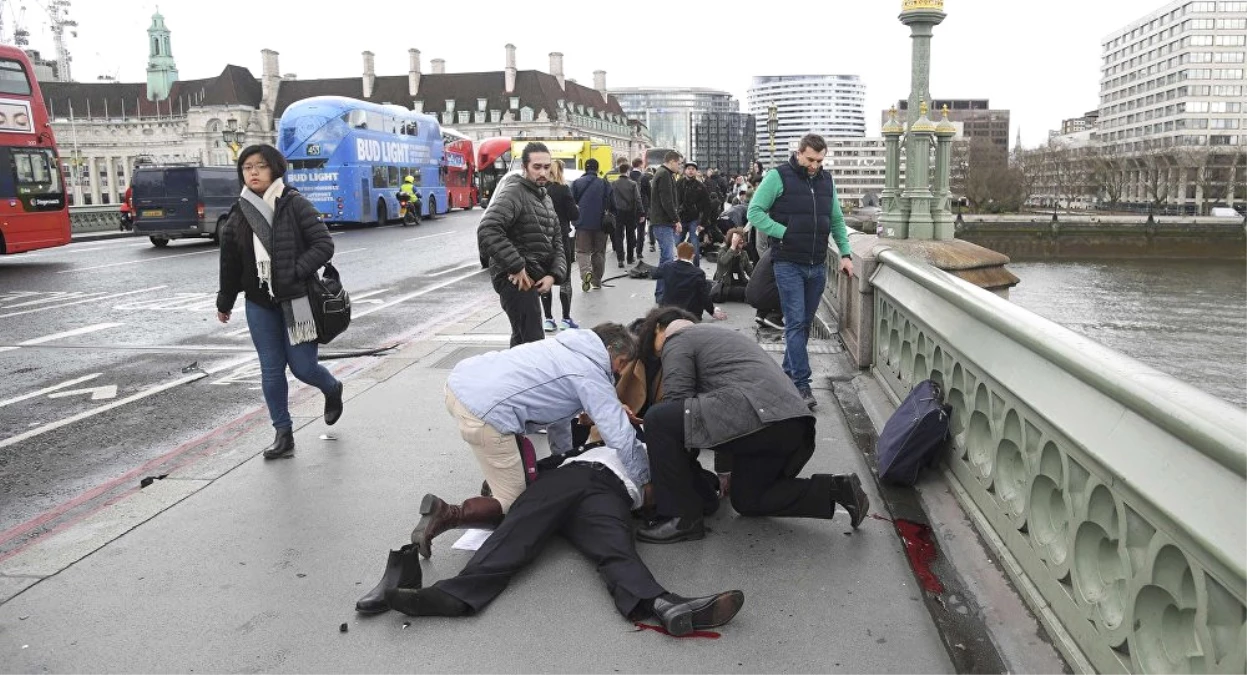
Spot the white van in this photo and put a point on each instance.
(1224, 212)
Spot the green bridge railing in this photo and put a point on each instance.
(1114, 494)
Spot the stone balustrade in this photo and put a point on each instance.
(95, 218)
(1112, 493)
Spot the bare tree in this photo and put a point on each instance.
(1156, 165)
(1108, 174)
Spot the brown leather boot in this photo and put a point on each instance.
(437, 516)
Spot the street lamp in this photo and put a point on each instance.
(233, 137)
(772, 125)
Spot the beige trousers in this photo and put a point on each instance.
(496, 452)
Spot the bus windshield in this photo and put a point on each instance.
(34, 171)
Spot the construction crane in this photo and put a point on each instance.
(58, 11)
(21, 36)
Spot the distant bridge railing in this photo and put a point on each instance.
(1113, 493)
(95, 218)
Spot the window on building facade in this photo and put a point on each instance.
(526, 114)
(515, 102)
(480, 104)
(463, 116)
(495, 116)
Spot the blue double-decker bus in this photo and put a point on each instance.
(349, 157)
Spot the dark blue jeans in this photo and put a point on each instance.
(800, 289)
(689, 234)
(665, 236)
(272, 344)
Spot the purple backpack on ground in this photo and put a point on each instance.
(914, 435)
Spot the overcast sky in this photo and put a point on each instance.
(1038, 60)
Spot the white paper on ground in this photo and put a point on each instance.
(472, 540)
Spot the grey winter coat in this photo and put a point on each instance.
(520, 231)
(730, 387)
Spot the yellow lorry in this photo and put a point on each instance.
(571, 151)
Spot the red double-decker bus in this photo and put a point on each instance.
(34, 212)
(460, 177)
(493, 158)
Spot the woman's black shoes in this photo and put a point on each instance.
(283, 445)
(333, 405)
(402, 570)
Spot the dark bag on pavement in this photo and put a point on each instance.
(331, 306)
(914, 436)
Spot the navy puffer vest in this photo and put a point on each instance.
(805, 209)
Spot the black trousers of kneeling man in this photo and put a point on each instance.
(587, 504)
(764, 469)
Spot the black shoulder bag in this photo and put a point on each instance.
(331, 305)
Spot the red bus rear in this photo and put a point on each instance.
(34, 211)
(493, 157)
(460, 174)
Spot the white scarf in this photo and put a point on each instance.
(264, 261)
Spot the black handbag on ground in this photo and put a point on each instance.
(331, 305)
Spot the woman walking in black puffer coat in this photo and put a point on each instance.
(273, 242)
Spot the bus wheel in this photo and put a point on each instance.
(432, 208)
(382, 216)
(159, 242)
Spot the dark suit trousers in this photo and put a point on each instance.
(764, 469)
(590, 507)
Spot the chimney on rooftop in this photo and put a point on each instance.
(413, 72)
(370, 75)
(510, 74)
(556, 68)
(270, 78)
(599, 82)
(439, 66)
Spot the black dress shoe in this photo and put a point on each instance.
(669, 531)
(283, 445)
(846, 490)
(681, 616)
(402, 570)
(333, 405)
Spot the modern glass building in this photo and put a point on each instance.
(830, 105)
(705, 125)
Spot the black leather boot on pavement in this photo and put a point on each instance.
(402, 570)
(846, 490)
(283, 445)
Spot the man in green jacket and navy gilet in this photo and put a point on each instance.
(796, 205)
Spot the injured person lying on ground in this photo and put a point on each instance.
(587, 499)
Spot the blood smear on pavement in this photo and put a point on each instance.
(921, 551)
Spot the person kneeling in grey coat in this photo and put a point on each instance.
(722, 392)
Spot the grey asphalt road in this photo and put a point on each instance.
(113, 357)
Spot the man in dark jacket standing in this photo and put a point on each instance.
(664, 209)
(722, 392)
(592, 195)
(520, 236)
(694, 201)
(797, 206)
(626, 197)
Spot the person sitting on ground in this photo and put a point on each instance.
(733, 269)
(587, 499)
(684, 284)
(499, 396)
(762, 293)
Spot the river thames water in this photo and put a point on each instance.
(1184, 318)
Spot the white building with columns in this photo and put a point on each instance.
(106, 129)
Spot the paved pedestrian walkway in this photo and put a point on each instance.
(234, 564)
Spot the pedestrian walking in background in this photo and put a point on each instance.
(565, 207)
(626, 198)
(520, 236)
(796, 205)
(592, 195)
(273, 242)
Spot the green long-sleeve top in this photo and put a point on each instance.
(764, 197)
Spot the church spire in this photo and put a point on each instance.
(162, 71)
